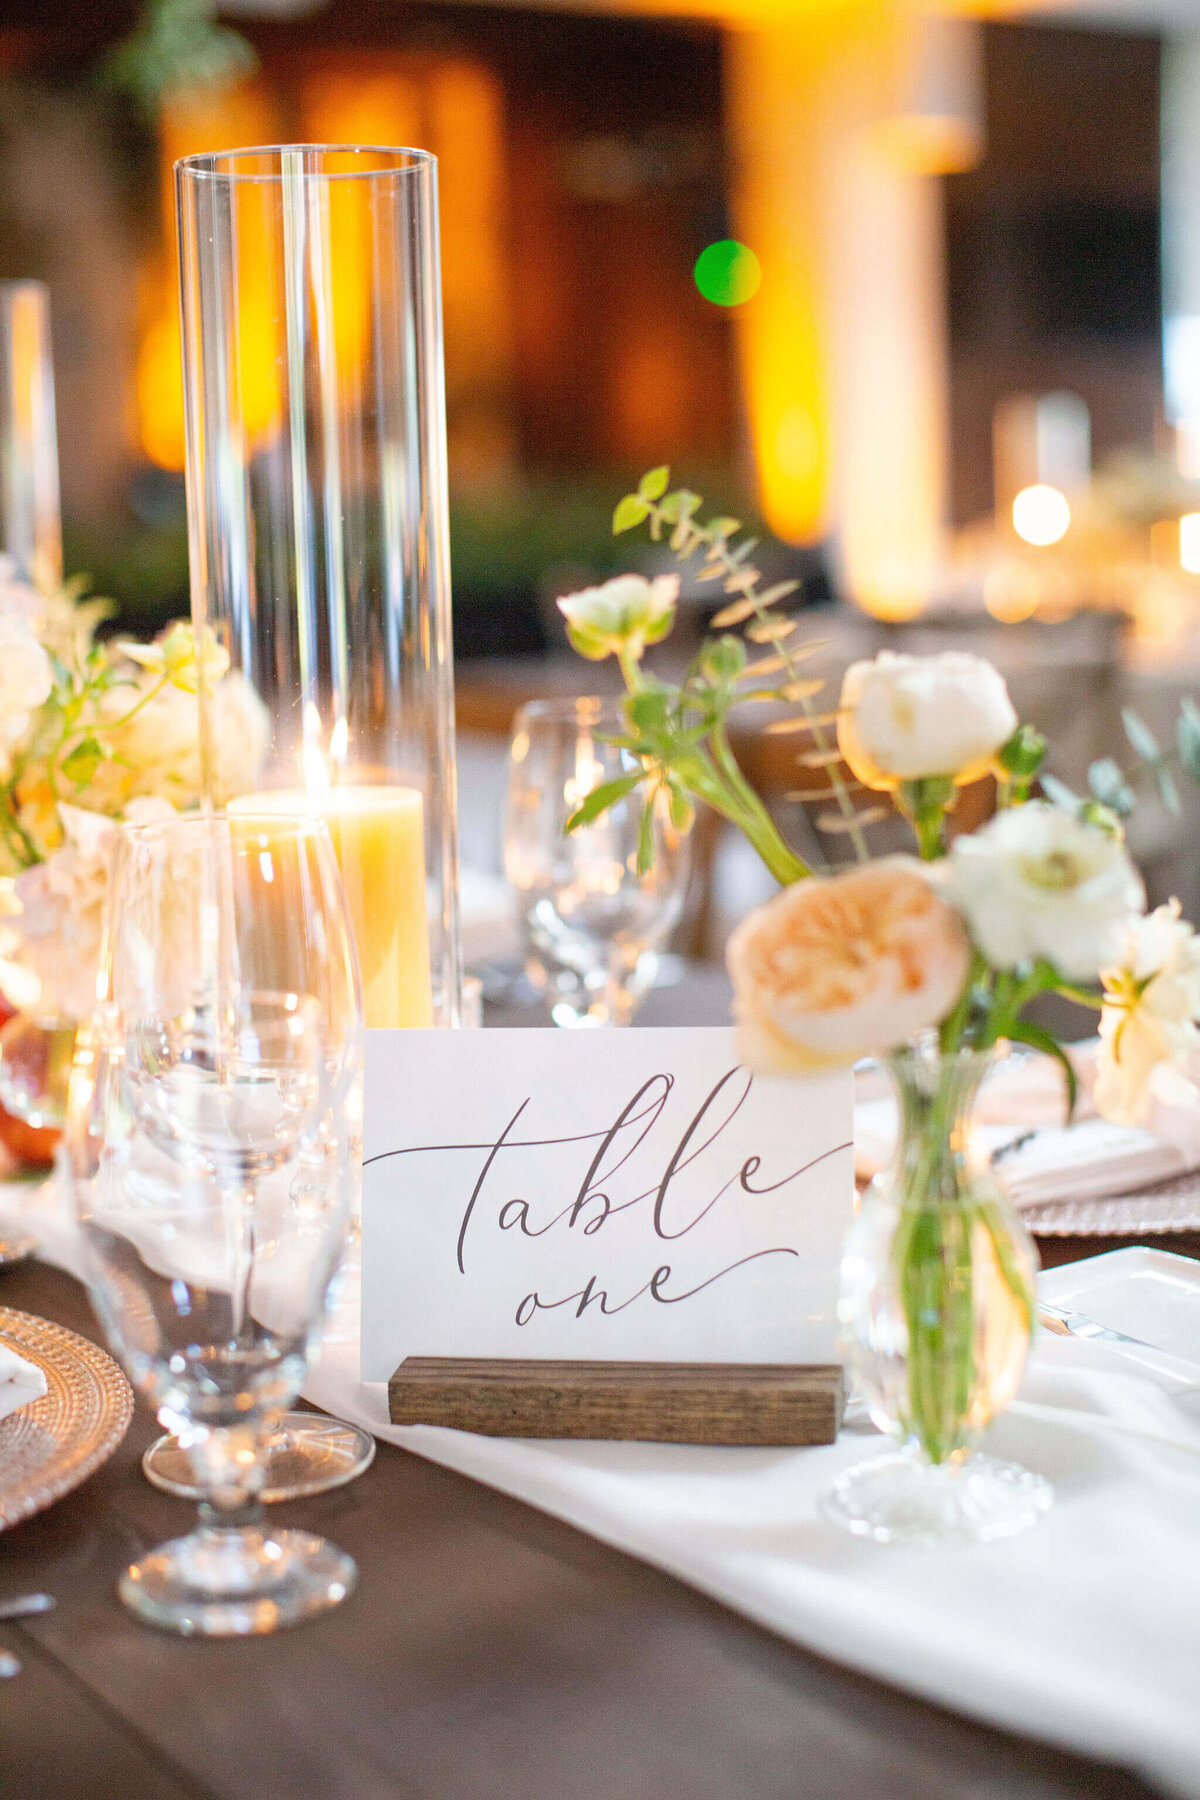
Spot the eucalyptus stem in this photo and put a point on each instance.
(716, 546)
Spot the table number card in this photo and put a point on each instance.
(598, 1196)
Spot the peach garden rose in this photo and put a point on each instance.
(845, 966)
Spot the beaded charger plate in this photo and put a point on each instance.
(49, 1446)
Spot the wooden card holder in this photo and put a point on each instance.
(664, 1403)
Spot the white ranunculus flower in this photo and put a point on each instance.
(903, 718)
(1148, 1028)
(51, 939)
(625, 614)
(1037, 883)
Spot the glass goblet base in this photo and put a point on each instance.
(237, 1582)
(904, 1498)
(307, 1454)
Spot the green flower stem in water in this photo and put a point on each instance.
(946, 1221)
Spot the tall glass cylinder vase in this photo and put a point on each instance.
(30, 530)
(317, 513)
(35, 1047)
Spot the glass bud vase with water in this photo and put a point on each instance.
(937, 1310)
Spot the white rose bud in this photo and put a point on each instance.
(905, 718)
(622, 616)
(1037, 883)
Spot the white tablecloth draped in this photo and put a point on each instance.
(1084, 1632)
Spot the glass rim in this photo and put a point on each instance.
(573, 709)
(285, 824)
(218, 165)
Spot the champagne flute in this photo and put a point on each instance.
(210, 1150)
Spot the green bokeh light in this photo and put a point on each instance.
(727, 273)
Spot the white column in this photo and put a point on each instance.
(1181, 242)
(843, 351)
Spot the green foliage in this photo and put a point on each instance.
(629, 512)
(1187, 737)
(1023, 754)
(1110, 788)
(176, 44)
(1140, 736)
(602, 797)
(654, 483)
(723, 659)
(1024, 1031)
(80, 764)
(681, 732)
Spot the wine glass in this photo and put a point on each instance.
(210, 1151)
(591, 924)
(268, 861)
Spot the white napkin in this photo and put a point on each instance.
(1038, 1159)
(20, 1381)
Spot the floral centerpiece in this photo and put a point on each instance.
(931, 961)
(91, 733)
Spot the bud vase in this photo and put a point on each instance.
(937, 1309)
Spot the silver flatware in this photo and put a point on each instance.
(1077, 1324)
(26, 1606)
(1068, 1323)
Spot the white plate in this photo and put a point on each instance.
(1153, 1295)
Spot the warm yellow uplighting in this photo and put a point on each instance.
(202, 119)
(1011, 592)
(1041, 515)
(1189, 543)
(842, 351)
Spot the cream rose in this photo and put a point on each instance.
(51, 940)
(1037, 883)
(622, 616)
(26, 678)
(903, 718)
(1148, 1027)
(844, 966)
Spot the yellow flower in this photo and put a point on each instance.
(624, 615)
(844, 966)
(175, 654)
(1148, 1032)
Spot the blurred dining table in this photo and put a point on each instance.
(1071, 678)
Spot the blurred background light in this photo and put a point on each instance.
(937, 127)
(728, 273)
(1189, 543)
(1041, 514)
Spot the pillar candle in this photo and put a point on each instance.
(378, 836)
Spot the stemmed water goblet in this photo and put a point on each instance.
(210, 1151)
(593, 923)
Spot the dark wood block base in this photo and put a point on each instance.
(664, 1403)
